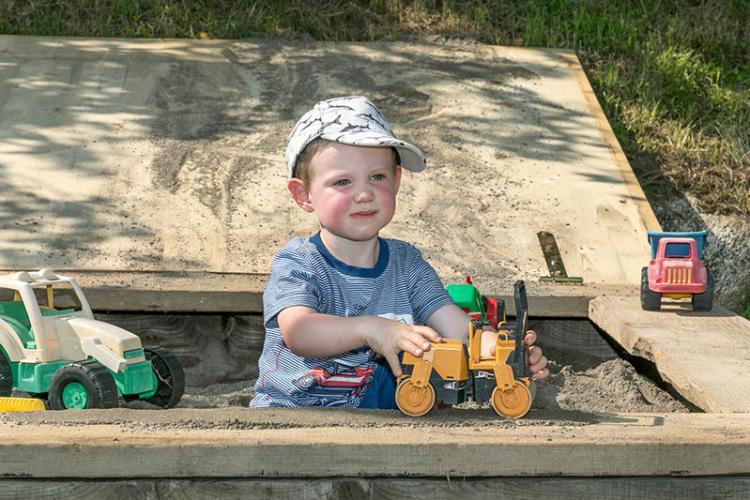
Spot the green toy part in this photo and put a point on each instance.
(108, 361)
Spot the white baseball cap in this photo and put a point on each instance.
(352, 120)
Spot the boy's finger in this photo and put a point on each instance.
(535, 354)
(412, 344)
(530, 337)
(538, 365)
(395, 365)
(540, 375)
(428, 333)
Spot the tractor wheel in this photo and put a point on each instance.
(650, 301)
(512, 403)
(169, 375)
(704, 301)
(81, 385)
(413, 400)
(6, 376)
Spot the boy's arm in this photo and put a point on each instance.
(311, 334)
(450, 322)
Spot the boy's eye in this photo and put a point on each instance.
(341, 182)
(378, 177)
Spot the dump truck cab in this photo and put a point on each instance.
(676, 270)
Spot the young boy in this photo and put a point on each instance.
(341, 295)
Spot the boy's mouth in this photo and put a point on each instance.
(364, 213)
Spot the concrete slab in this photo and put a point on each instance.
(148, 155)
(245, 443)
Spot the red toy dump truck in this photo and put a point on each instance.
(676, 271)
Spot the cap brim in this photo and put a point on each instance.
(412, 157)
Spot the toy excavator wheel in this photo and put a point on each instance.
(512, 403)
(170, 377)
(6, 376)
(413, 400)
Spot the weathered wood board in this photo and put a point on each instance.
(166, 156)
(246, 443)
(199, 292)
(444, 488)
(705, 356)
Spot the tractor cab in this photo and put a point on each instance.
(27, 299)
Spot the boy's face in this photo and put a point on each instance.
(352, 191)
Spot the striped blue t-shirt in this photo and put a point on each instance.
(401, 286)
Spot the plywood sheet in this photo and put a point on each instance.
(705, 356)
(148, 155)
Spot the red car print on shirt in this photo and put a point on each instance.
(344, 380)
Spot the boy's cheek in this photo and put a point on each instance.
(333, 210)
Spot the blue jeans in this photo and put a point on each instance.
(381, 393)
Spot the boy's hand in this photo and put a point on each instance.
(389, 338)
(537, 360)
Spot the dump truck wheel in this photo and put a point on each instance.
(704, 301)
(81, 385)
(169, 375)
(6, 376)
(650, 301)
(413, 400)
(512, 403)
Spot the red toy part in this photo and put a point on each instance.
(676, 271)
(491, 308)
(677, 268)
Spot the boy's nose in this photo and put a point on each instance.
(364, 194)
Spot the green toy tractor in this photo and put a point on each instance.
(51, 347)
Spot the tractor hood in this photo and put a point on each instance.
(116, 339)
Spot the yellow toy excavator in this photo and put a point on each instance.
(449, 372)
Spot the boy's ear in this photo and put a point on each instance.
(299, 192)
(397, 178)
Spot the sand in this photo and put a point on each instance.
(611, 386)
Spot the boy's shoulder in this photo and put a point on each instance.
(298, 252)
(401, 247)
(297, 245)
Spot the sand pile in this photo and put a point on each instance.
(612, 386)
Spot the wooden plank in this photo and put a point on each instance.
(648, 217)
(705, 356)
(448, 488)
(177, 164)
(204, 292)
(246, 443)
